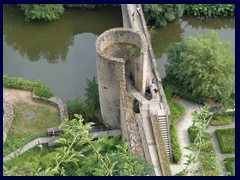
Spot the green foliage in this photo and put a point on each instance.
(92, 94)
(77, 154)
(134, 50)
(219, 120)
(210, 10)
(160, 14)
(177, 110)
(40, 89)
(89, 6)
(202, 148)
(78, 106)
(204, 67)
(193, 131)
(226, 138)
(47, 12)
(230, 164)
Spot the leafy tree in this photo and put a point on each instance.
(92, 94)
(77, 154)
(204, 67)
(160, 14)
(47, 12)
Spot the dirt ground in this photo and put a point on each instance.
(13, 96)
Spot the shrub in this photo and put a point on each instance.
(219, 120)
(204, 67)
(230, 164)
(78, 106)
(160, 14)
(209, 10)
(226, 138)
(40, 89)
(47, 12)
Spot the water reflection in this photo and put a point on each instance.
(61, 53)
(181, 28)
(51, 40)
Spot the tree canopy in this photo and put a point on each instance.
(203, 66)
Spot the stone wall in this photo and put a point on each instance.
(7, 118)
(111, 69)
(162, 155)
(129, 126)
(8, 111)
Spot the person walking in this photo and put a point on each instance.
(155, 90)
(153, 82)
(133, 15)
(138, 11)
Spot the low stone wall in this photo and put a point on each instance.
(7, 118)
(162, 155)
(57, 102)
(8, 111)
(129, 126)
(143, 138)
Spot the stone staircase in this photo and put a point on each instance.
(164, 130)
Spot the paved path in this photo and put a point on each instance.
(182, 131)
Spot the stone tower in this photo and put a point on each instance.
(115, 62)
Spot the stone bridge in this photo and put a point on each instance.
(123, 76)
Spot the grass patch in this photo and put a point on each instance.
(24, 129)
(219, 120)
(21, 163)
(230, 164)
(226, 138)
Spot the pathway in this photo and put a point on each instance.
(182, 132)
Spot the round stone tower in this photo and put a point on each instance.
(121, 54)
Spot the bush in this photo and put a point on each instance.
(209, 10)
(219, 120)
(40, 89)
(204, 67)
(192, 130)
(226, 138)
(78, 106)
(47, 12)
(160, 14)
(230, 164)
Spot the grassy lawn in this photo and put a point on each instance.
(219, 120)
(226, 138)
(230, 164)
(25, 129)
(27, 159)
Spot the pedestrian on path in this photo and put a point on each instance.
(155, 90)
(138, 10)
(133, 15)
(153, 82)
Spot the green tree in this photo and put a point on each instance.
(203, 66)
(47, 12)
(92, 94)
(77, 154)
(160, 14)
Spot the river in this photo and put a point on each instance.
(62, 53)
